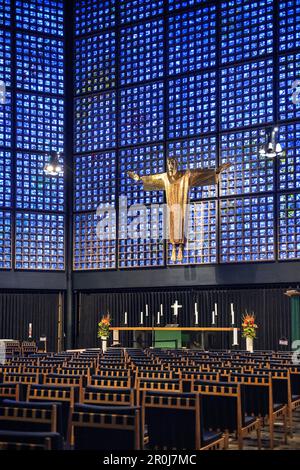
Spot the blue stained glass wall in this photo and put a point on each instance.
(31, 203)
(156, 79)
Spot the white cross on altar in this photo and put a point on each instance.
(176, 306)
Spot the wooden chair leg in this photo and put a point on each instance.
(285, 426)
(258, 433)
(271, 427)
(290, 413)
(226, 440)
(240, 441)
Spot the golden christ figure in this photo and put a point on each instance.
(177, 186)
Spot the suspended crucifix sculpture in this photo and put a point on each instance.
(177, 185)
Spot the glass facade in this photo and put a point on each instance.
(203, 81)
(32, 205)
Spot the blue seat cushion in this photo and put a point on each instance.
(208, 437)
(249, 420)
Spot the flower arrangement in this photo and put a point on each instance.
(103, 327)
(249, 326)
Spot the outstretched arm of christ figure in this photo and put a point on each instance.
(207, 176)
(151, 182)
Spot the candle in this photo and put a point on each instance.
(235, 337)
(30, 330)
(161, 310)
(216, 309)
(196, 314)
(147, 313)
(125, 319)
(142, 318)
(232, 314)
(158, 318)
(213, 318)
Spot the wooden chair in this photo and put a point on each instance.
(102, 428)
(64, 394)
(166, 415)
(260, 400)
(224, 409)
(23, 416)
(170, 385)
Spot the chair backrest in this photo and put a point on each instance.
(106, 396)
(102, 428)
(64, 394)
(167, 415)
(223, 406)
(11, 391)
(110, 381)
(21, 378)
(258, 392)
(23, 416)
(58, 379)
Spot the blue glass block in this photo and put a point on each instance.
(93, 246)
(141, 243)
(5, 178)
(246, 29)
(95, 122)
(146, 160)
(40, 64)
(247, 229)
(289, 86)
(40, 241)
(40, 123)
(141, 52)
(95, 63)
(196, 153)
(289, 24)
(135, 10)
(95, 181)
(5, 120)
(5, 240)
(5, 57)
(40, 16)
(5, 13)
(289, 226)
(250, 172)
(192, 40)
(34, 189)
(192, 105)
(179, 4)
(247, 94)
(289, 162)
(201, 236)
(142, 114)
(92, 16)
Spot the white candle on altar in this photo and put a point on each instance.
(235, 337)
(158, 318)
(161, 310)
(30, 330)
(125, 318)
(213, 321)
(147, 312)
(216, 309)
(232, 314)
(142, 318)
(196, 314)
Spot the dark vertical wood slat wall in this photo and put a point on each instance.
(270, 305)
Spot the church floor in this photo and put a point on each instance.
(292, 443)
